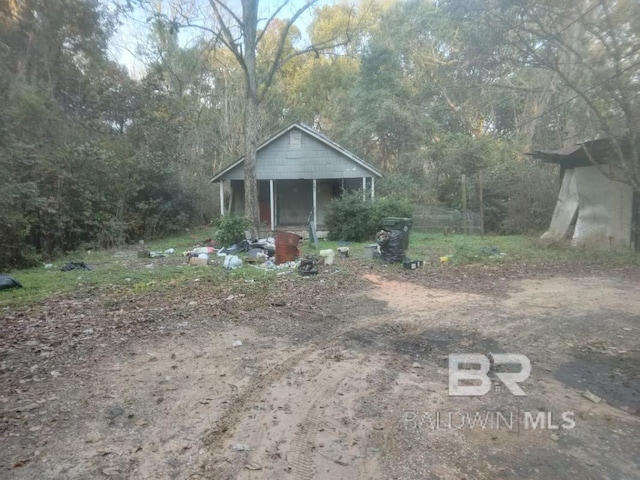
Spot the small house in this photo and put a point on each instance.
(299, 172)
(595, 205)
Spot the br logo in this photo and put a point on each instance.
(475, 382)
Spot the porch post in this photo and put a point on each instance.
(315, 205)
(221, 198)
(373, 188)
(272, 203)
(364, 188)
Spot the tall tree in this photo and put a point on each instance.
(592, 49)
(242, 30)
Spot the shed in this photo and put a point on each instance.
(299, 172)
(595, 205)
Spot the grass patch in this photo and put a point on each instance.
(463, 250)
(121, 273)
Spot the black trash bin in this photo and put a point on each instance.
(401, 224)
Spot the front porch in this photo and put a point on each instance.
(291, 204)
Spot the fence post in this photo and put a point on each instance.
(481, 203)
(465, 222)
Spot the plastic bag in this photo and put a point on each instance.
(232, 262)
(392, 246)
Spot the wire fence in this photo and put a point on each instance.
(450, 220)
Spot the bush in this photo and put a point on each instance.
(230, 230)
(355, 219)
(349, 218)
(390, 206)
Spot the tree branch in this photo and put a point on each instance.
(271, 19)
(281, 42)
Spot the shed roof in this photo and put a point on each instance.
(313, 133)
(599, 151)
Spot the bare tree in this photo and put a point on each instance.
(593, 50)
(240, 29)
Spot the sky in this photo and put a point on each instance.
(125, 44)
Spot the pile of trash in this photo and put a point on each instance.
(260, 253)
(257, 251)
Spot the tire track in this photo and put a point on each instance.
(301, 456)
(235, 413)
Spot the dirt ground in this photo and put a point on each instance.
(336, 378)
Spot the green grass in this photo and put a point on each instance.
(463, 249)
(121, 272)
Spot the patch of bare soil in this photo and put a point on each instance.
(336, 377)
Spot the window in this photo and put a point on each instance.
(295, 139)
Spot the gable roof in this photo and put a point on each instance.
(313, 133)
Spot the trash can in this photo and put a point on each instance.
(287, 247)
(401, 224)
(369, 251)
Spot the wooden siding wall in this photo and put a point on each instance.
(312, 159)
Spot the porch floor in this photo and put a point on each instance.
(302, 230)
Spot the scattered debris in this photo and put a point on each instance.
(67, 267)
(236, 343)
(327, 256)
(232, 262)
(412, 264)
(371, 251)
(391, 245)
(7, 282)
(199, 250)
(253, 466)
(490, 251)
(308, 266)
(256, 255)
(198, 261)
(241, 447)
(591, 396)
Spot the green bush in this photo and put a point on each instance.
(349, 218)
(230, 230)
(390, 206)
(355, 219)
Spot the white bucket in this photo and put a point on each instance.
(328, 256)
(369, 251)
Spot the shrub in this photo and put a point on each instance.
(353, 218)
(349, 218)
(390, 206)
(230, 230)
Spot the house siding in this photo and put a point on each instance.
(311, 160)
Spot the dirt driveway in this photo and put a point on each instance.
(349, 382)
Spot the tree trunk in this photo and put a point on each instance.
(251, 209)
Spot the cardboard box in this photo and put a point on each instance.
(197, 261)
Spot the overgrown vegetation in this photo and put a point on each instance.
(429, 92)
(355, 218)
(119, 273)
(230, 230)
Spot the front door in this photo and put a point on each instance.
(264, 202)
